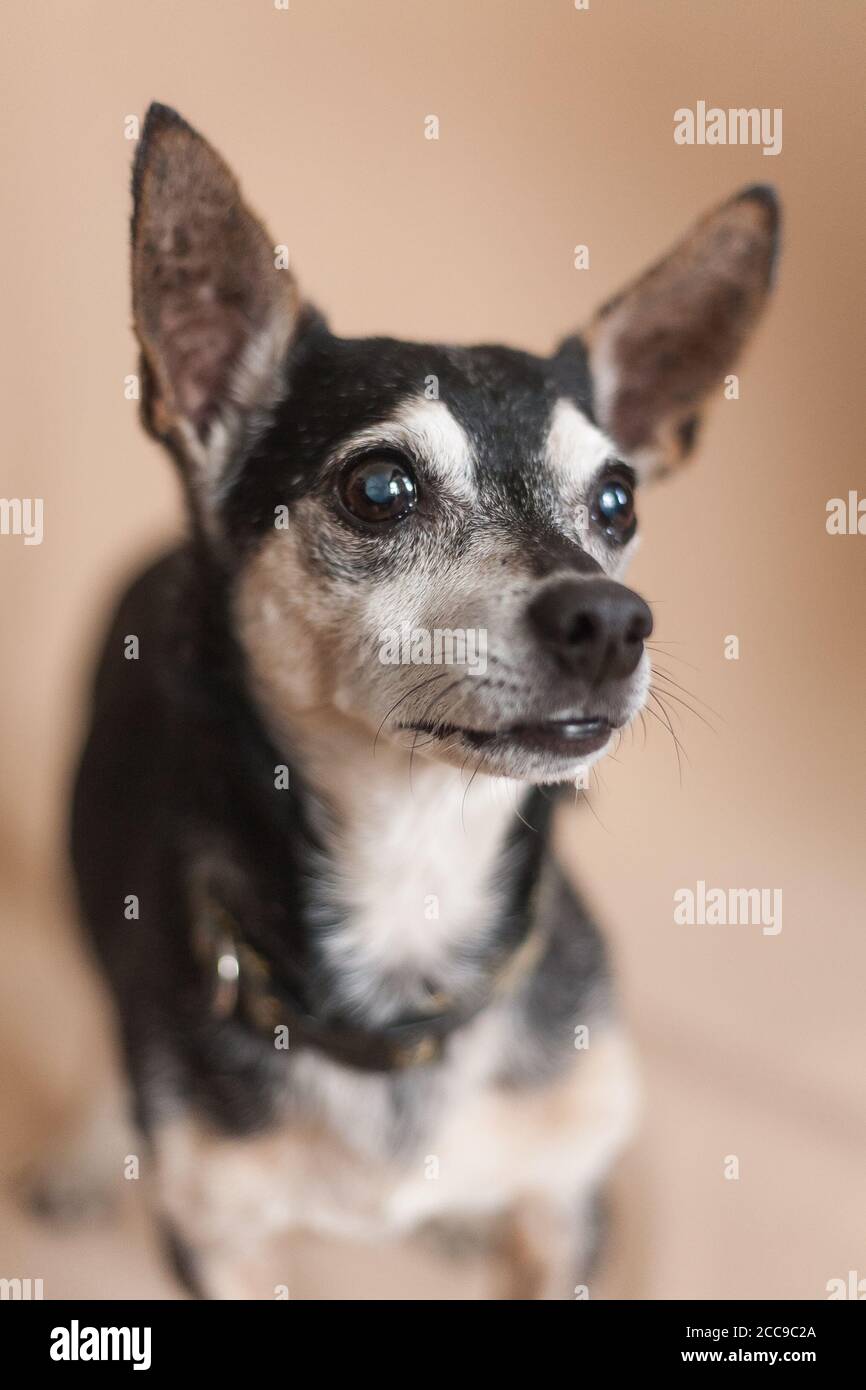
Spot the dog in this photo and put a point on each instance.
(355, 993)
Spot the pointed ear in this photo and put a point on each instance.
(659, 348)
(212, 312)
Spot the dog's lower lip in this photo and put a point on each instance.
(568, 736)
(564, 728)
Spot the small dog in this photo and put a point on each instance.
(357, 995)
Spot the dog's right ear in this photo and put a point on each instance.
(213, 313)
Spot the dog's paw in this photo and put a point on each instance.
(63, 1194)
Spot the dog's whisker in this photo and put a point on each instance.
(665, 675)
(582, 798)
(415, 734)
(678, 699)
(520, 816)
(440, 695)
(665, 721)
(671, 656)
(420, 686)
(467, 791)
(667, 729)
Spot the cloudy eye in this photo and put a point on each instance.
(379, 488)
(613, 507)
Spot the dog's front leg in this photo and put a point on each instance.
(545, 1247)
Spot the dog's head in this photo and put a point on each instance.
(426, 541)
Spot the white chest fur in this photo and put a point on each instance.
(413, 883)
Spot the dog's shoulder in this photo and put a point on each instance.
(147, 623)
(124, 774)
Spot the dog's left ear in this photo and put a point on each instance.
(659, 348)
(213, 309)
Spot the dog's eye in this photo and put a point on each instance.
(613, 507)
(379, 488)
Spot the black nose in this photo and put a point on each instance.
(596, 628)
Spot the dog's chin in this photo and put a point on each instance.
(544, 751)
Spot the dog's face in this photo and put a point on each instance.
(446, 573)
(426, 541)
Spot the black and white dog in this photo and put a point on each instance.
(310, 829)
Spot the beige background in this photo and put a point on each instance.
(556, 128)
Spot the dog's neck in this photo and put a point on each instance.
(412, 854)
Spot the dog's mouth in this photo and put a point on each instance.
(569, 738)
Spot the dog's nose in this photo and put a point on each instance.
(595, 628)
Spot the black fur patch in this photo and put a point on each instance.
(335, 387)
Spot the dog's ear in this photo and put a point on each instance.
(213, 312)
(659, 348)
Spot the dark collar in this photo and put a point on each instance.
(243, 984)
